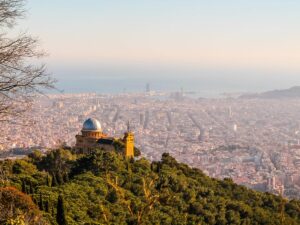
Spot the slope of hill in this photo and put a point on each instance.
(293, 92)
(105, 188)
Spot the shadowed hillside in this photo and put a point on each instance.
(293, 92)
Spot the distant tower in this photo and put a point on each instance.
(129, 142)
(202, 135)
(147, 87)
(142, 118)
(235, 127)
(229, 111)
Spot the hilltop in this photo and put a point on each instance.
(106, 188)
(293, 92)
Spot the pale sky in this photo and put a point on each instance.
(231, 33)
(235, 41)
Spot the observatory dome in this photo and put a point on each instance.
(91, 124)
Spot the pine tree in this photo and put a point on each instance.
(54, 181)
(61, 215)
(31, 191)
(34, 200)
(47, 206)
(66, 178)
(24, 187)
(41, 202)
(52, 211)
(59, 178)
(48, 181)
(158, 167)
(27, 190)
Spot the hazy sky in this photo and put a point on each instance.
(259, 35)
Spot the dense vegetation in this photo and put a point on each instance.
(105, 188)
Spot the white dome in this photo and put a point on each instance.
(91, 125)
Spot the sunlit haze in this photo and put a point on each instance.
(217, 39)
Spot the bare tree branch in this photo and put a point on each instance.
(10, 10)
(21, 78)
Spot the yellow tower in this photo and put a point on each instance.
(129, 142)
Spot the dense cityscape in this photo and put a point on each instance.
(253, 141)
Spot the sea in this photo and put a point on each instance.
(194, 87)
(205, 83)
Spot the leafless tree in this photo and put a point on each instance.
(21, 76)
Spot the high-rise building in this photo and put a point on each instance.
(142, 119)
(235, 127)
(229, 111)
(148, 87)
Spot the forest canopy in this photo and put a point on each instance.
(106, 188)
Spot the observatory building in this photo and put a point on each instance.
(92, 137)
(91, 132)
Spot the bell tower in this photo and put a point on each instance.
(129, 142)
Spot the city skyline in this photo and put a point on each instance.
(255, 141)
